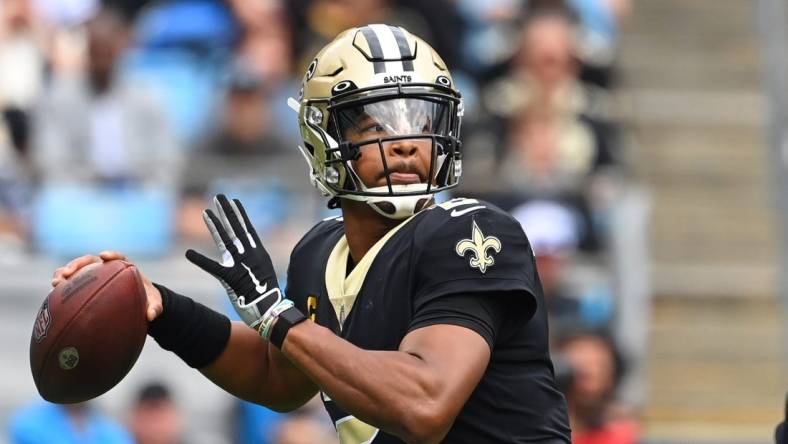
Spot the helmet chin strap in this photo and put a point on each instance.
(394, 207)
(404, 206)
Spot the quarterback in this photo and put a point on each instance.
(414, 322)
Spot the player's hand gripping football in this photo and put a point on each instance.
(152, 294)
(246, 270)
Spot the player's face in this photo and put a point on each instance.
(407, 160)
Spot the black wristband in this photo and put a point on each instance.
(189, 329)
(284, 322)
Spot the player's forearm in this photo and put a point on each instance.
(251, 369)
(392, 390)
(230, 354)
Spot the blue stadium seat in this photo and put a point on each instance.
(74, 220)
(185, 83)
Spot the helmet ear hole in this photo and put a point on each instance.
(310, 71)
(343, 87)
(443, 80)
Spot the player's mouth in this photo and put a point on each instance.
(402, 173)
(404, 178)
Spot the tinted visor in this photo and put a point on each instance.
(368, 122)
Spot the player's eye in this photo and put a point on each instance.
(372, 128)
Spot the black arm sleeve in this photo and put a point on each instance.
(488, 314)
(189, 329)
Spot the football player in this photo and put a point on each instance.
(414, 322)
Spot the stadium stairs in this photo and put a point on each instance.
(691, 88)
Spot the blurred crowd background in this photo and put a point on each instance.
(624, 135)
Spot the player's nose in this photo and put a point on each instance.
(403, 148)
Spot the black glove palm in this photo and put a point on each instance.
(246, 270)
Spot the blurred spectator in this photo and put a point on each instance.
(547, 138)
(17, 123)
(22, 68)
(246, 126)
(265, 39)
(553, 122)
(303, 429)
(15, 184)
(96, 128)
(266, 47)
(45, 423)
(548, 153)
(598, 37)
(155, 418)
(238, 149)
(491, 37)
(103, 147)
(65, 14)
(180, 49)
(596, 369)
(21, 55)
(492, 34)
(555, 231)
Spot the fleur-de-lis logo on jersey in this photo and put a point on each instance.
(478, 245)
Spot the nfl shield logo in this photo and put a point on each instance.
(43, 321)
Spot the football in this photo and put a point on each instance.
(88, 332)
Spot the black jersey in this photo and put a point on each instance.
(463, 253)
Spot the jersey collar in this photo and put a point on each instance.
(343, 288)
